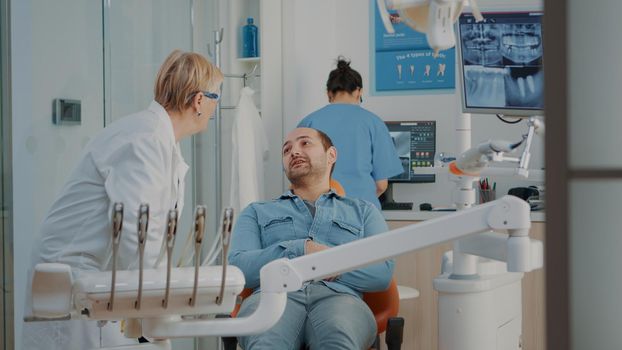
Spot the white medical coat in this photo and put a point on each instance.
(249, 151)
(134, 160)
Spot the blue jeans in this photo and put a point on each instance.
(315, 317)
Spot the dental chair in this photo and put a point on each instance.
(384, 305)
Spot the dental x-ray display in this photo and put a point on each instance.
(501, 63)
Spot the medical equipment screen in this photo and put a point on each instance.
(501, 63)
(415, 142)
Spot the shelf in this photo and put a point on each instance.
(249, 59)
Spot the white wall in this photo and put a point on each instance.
(56, 53)
(272, 51)
(316, 32)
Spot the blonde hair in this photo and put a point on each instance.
(182, 75)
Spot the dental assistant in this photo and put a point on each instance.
(135, 160)
(367, 155)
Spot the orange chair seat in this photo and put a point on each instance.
(383, 305)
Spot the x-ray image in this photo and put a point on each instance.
(522, 43)
(504, 87)
(401, 140)
(490, 44)
(481, 44)
(524, 87)
(502, 61)
(484, 87)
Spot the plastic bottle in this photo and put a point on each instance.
(249, 39)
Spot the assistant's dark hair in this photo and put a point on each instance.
(343, 78)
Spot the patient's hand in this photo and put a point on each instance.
(313, 247)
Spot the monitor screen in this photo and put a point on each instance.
(500, 63)
(415, 142)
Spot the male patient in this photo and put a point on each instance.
(309, 218)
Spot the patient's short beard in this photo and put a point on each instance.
(298, 177)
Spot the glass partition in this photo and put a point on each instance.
(59, 55)
(138, 36)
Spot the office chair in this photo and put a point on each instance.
(384, 305)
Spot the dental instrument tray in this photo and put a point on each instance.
(92, 291)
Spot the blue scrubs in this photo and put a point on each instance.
(365, 150)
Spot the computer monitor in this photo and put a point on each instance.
(415, 142)
(500, 63)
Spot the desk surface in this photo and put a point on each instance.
(416, 215)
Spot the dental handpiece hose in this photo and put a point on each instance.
(199, 227)
(171, 232)
(227, 223)
(117, 227)
(143, 226)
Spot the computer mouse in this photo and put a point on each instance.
(425, 206)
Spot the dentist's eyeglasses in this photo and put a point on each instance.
(211, 95)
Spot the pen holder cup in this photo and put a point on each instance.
(487, 196)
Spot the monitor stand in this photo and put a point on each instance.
(388, 203)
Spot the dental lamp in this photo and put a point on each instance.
(435, 18)
(194, 292)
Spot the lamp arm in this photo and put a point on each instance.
(269, 311)
(508, 213)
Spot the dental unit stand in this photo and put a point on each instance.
(86, 297)
(480, 302)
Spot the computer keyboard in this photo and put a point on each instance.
(397, 206)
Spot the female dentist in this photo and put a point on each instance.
(135, 160)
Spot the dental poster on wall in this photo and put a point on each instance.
(405, 62)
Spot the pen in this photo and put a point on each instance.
(494, 186)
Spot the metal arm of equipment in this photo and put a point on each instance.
(474, 162)
(91, 291)
(508, 214)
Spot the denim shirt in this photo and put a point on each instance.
(279, 228)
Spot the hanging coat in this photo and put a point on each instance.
(249, 151)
